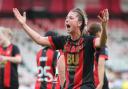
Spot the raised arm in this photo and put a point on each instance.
(33, 34)
(104, 17)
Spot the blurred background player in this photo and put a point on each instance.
(9, 59)
(101, 56)
(47, 58)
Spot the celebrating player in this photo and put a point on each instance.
(78, 49)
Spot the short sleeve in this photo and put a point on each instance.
(15, 51)
(57, 42)
(104, 53)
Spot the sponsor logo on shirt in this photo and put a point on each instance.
(72, 61)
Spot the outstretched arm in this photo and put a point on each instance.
(33, 34)
(104, 17)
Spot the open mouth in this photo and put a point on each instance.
(68, 26)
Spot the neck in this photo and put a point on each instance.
(76, 35)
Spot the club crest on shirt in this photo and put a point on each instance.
(43, 58)
(2, 64)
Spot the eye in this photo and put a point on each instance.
(71, 17)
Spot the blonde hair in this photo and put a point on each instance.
(82, 17)
(6, 32)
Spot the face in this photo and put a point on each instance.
(72, 22)
(3, 39)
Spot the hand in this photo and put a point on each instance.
(104, 15)
(100, 86)
(3, 58)
(20, 18)
(104, 18)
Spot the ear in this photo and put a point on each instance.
(98, 34)
(79, 23)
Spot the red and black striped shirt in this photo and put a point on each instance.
(47, 69)
(79, 59)
(8, 70)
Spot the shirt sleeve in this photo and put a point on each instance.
(104, 53)
(15, 51)
(57, 42)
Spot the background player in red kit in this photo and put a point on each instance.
(47, 67)
(9, 59)
(78, 49)
(101, 56)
